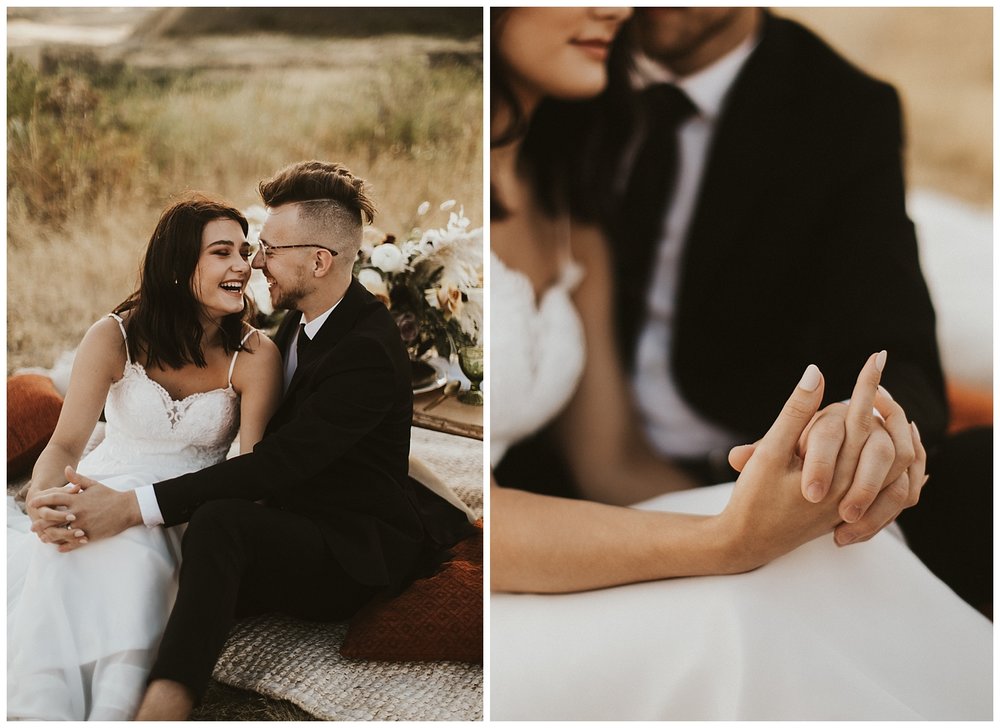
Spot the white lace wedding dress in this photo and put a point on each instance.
(83, 627)
(864, 632)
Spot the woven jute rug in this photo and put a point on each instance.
(300, 661)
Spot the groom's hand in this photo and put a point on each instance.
(880, 461)
(889, 459)
(96, 510)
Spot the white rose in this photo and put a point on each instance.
(388, 258)
(371, 280)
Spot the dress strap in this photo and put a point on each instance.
(121, 325)
(232, 364)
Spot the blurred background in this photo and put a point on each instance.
(112, 112)
(941, 62)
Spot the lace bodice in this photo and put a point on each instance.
(537, 352)
(145, 425)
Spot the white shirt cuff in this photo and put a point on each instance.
(148, 506)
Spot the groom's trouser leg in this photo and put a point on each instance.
(237, 551)
(951, 528)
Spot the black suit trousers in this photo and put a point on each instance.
(241, 558)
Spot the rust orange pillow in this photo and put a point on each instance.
(970, 407)
(436, 618)
(33, 406)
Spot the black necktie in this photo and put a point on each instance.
(302, 343)
(654, 172)
(646, 202)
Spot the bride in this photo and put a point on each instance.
(178, 371)
(782, 624)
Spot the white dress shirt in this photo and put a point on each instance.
(671, 425)
(146, 496)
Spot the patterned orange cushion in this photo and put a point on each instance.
(436, 618)
(33, 406)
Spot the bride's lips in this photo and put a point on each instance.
(596, 48)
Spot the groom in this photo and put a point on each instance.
(322, 515)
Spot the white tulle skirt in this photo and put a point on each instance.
(83, 626)
(860, 633)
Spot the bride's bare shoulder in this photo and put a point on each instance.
(588, 243)
(103, 345)
(259, 360)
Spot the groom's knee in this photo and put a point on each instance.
(214, 526)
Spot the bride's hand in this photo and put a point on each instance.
(767, 514)
(53, 525)
(97, 510)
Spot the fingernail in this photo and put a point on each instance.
(880, 360)
(853, 514)
(916, 431)
(810, 378)
(78, 534)
(884, 391)
(814, 492)
(83, 540)
(70, 517)
(844, 538)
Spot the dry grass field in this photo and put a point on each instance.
(100, 139)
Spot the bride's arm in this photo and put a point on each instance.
(542, 544)
(599, 430)
(550, 545)
(99, 361)
(257, 378)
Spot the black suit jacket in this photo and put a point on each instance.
(336, 451)
(799, 250)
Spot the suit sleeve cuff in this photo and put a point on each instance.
(148, 506)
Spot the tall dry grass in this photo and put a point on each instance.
(96, 150)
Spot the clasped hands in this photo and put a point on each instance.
(70, 516)
(842, 468)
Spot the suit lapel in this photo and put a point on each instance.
(339, 323)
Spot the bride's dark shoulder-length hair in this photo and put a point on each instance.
(163, 323)
(571, 150)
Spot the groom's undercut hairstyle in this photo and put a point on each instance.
(333, 204)
(164, 323)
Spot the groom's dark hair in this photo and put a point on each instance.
(164, 323)
(333, 201)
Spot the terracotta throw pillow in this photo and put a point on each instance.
(436, 618)
(33, 406)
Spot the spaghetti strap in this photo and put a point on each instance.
(232, 364)
(121, 326)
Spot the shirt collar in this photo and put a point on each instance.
(706, 88)
(312, 327)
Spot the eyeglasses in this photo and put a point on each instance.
(268, 249)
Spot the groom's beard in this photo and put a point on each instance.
(288, 296)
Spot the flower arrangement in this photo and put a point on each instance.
(432, 281)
